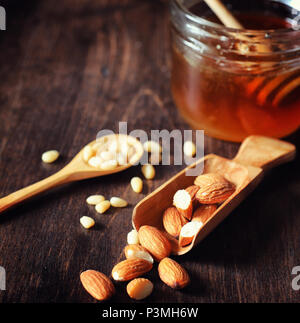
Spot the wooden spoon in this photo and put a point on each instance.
(76, 170)
(256, 155)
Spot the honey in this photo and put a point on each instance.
(232, 94)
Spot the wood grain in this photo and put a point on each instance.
(70, 70)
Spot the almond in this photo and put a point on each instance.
(139, 288)
(214, 188)
(188, 232)
(173, 221)
(130, 268)
(192, 190)
(183, 202)
(204, 212)
(97, 284)
(173, 274)
(137, 251)
(155, 242)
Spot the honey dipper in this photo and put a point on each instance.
(260, 86)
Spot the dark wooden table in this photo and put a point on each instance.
(71, 69)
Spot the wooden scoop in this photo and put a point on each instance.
(76, 170)
(263, 88)
(256, 155)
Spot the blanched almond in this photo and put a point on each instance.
(137, 251)
(173, 221)
(155, 242)
(97, 284)
(130, 268)
(139, 288)
(183, 202)
(173, 274)
(188, 232)
(204, 212)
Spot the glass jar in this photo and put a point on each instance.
(233, 83)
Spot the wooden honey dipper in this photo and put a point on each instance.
(262, 87)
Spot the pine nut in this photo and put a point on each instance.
(95, 162)
(118, 202)
(133, 237)
(107, 155)
(102, 206)
(189, 148)
(136, 184)
(95, 199)
(50, 156)
(152, 147)
(109, 164)
(148, 171)
(87, 222)
(87, 153)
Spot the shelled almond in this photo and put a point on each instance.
(137, 251)
(173, 274)
(130, 268)
(183, 202)
(204, 212)
(188, 232)
(97, 284)
(214, 188)
(155, 242)
(173, 221)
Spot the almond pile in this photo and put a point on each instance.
(194, 205)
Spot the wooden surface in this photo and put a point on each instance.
(71, 69)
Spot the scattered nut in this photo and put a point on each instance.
(95, 199)
(139, 288)
(50, 156)
(97, 284)
(189, 148)
(87, 222)
(133, 237)
(152, 147)
(148, 171)
(137, 251)
(130, 268)
(102, 206)
(173, 274)
(137, 184)
(118, 202)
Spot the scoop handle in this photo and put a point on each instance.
(264, 152)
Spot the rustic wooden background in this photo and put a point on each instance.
(71, 69)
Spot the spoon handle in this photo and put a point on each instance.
(264, 152)
(12, 199)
